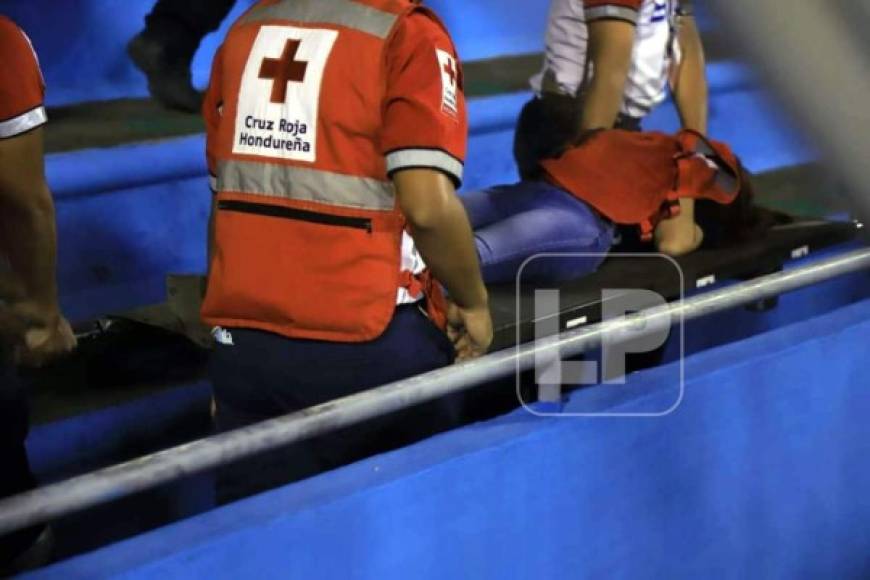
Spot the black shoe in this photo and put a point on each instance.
(36, 556)
(169, 79)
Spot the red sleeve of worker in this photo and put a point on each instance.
(627, 10)
(425, 120)
(22, 90)
(212, 112)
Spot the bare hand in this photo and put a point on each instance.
(47, 336)
(682, 242)
(680, 235)
(470, 331)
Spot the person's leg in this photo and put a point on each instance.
(411, 346)
(184, 23)
(488, 206)
(164, 50)
(264, 375)
(537, 217)
(16, 475)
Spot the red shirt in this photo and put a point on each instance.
(22, 89)
(425, 119)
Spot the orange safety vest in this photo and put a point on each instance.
(307, 228)
(638, 178)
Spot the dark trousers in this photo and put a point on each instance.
(182, 24)
(263, 375)
(547, 125)
(15, 474)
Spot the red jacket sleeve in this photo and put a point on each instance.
(22, 90)
(425, 119)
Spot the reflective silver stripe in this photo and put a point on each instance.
(620, 12)
(338, 12)
(305, 185)
(433, 158)
(213, 182)
(23, 123)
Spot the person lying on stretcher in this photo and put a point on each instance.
(611, 180)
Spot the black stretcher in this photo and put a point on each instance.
(156, 347)
(580, 300)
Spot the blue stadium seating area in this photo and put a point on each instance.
(145, 204)
(771, 429)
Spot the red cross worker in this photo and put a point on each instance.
(32, 329)
(336, 139)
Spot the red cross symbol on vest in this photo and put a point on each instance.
(283, 71)
(450, 71)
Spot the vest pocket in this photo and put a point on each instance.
(289, 213)
(303, 273)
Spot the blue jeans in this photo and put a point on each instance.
(512, 223)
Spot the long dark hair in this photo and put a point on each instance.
(740, 221)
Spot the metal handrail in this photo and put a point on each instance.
(59, 499)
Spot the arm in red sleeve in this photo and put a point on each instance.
(22, 90)
(425, 118)
(424, 142)
(27, 220)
